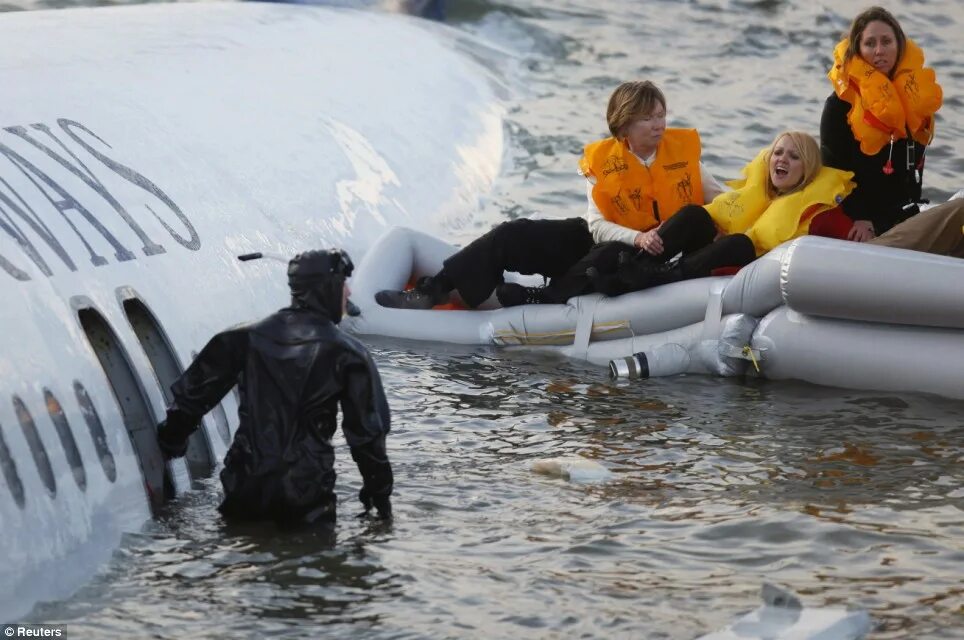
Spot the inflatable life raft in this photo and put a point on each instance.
(825, 311)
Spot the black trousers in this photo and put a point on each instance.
(686, 232)
(545, 247)
(735, 250)
(562, 250)
(264, 497)
(693, 230)
(691, 233)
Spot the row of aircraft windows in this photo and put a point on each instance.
(67, 441)
(103, 340)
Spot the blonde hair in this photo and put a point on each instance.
(864, 18)
(630, 101)
(809, 152)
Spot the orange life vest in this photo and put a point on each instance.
(882, 108)
(633, 195)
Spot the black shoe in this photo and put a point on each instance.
(609, 284)
(641, 275)
(423, 296)
(512, 294)
(668, 273)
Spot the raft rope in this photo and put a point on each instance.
(748, 354)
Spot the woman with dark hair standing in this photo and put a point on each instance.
(878, 123)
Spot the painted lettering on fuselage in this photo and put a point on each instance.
(37, 209)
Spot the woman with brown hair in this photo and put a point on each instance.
(878, 123)
(637, 179)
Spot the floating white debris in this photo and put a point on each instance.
(783, 617)
(575, 469)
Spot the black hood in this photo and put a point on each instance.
(317, 281)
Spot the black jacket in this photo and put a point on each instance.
(878, 197)
(293, 370)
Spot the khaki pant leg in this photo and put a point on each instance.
(938, 230)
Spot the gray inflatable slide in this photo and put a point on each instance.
(825, 311)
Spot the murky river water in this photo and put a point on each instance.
(849, 498)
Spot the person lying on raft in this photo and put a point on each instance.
(877, 123)
(638, 178)
(784, 194)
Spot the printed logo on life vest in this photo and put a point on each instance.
(53, 205)
(636, 197)
(911, 88)
(619, 204)
(614, 164)
(676, 165)
(730, 204)
(684, 188)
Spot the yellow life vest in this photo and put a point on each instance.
(882, 108)
(768, 223)
(625, 190)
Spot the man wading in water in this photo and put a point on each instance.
(292, 369)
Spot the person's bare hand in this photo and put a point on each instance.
(649, 241)
(862, 231)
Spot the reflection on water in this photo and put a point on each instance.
(849, 498)
(190, 575)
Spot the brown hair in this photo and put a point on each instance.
(864, 18)
(809, 152)
(632, 100)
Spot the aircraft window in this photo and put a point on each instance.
(37, 449)
(66, 436)
(9, 468)
(96, 431)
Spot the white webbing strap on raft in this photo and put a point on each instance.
(586, 308)
(714, 313)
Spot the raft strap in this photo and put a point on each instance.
(584, 323)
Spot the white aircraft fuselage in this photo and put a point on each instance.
(141, 150)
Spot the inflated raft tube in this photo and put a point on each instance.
(854, 316)
(860, 355)
(835, 312)
(788, 345)
(403, 255)
(704, 347)
(853, 281)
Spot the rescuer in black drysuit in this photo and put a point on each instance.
(292, 369)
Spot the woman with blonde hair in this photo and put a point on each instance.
(784, 193)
